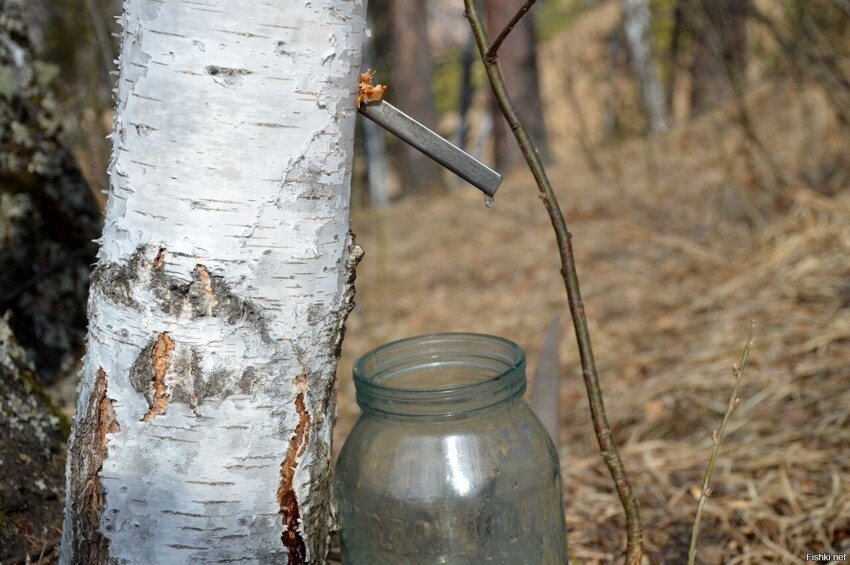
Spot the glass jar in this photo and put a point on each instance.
(447, 463)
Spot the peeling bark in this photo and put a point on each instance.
(160, 358)
(222, 285)
(91, 546)
(355, 255)
(286, 493)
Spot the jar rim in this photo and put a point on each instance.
(499, 362)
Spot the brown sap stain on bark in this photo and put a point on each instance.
(206, 284)
(160, 256)
(286, 493)
(90, 545)
(106, 422)
(160, 357)
(367, 92)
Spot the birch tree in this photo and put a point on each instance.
(222, 285)
(636, 24)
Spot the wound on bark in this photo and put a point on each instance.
(160, 256)
(91, 546)
(160, 358)
(201, 293)
(286, 492)
(206, 284)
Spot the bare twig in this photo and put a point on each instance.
(717, 437)
(490, 56)
(634, 547)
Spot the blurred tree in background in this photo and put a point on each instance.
(718, 29)
(412, 89)
(637, 28)
(518, 63)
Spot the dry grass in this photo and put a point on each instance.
(675, 258)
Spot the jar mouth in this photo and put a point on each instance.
(439, 374)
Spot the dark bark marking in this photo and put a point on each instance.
(228, 77)
(160, 256)
(88, 454)
(217, 385)
(141, 373)
(214, 70)
(117, 283)
(205, 295)
(160, 359)
(286, 493)
(248, 380)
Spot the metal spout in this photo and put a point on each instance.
(430, 143)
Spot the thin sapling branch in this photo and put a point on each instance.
(634, 532)
(716, 438)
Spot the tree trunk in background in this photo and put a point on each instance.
(48, 215)
(465, 91)
(673, 54)
(518, 63)
(374, 144)
(636, 24)
(223, 281)
(720, 48)
(410, 90)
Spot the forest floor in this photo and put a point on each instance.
(681, 240)
(676, 254)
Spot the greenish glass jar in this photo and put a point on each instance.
(447, 463)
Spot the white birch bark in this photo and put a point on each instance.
(224, 277)
(636, 23)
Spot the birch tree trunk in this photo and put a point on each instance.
(636, 23)
(224, 278)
